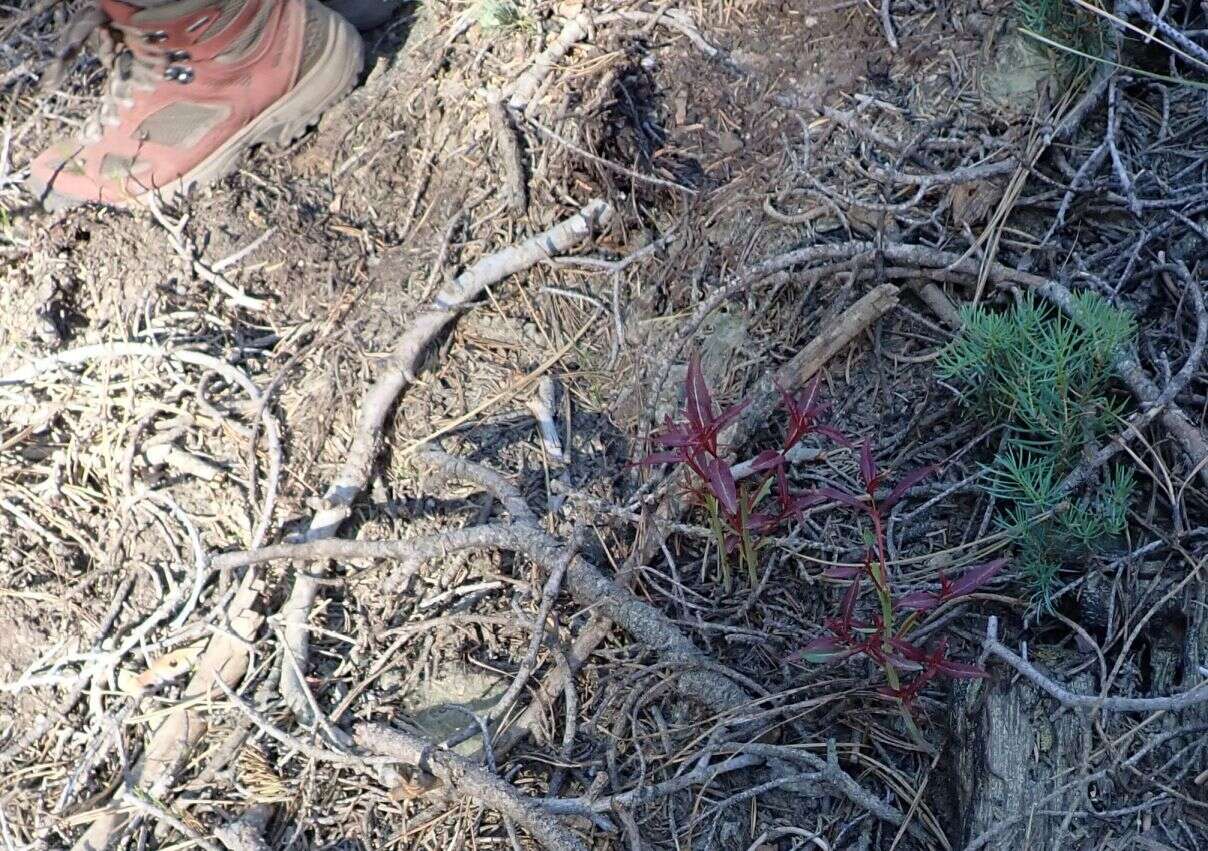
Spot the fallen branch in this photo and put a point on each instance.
(1009, 820)
(1125, 363)
(542, 407)
(471, 780)
(887, 26)
(244, 834)
(813, 356)
(1072, 700)
(526, 85)
(549, 594)
(377, 402)
(636, 797)
(590, 588)
(833, 775)
(223, 665)
(150, 808)
(512, 163)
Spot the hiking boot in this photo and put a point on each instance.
(194, 84)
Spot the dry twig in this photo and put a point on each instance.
(468, 779)
(1070, 700)
(377, 402)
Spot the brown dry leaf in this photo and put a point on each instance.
(162, 671)
(972, 202)
(415, 783)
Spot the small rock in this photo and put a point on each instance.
(729, 143)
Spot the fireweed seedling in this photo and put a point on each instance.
(740, 513)
(884, 638)
(743, 514)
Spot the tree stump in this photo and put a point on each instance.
(1012, 746)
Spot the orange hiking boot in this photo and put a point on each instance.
(194, 84)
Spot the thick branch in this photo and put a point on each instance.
(400, 371)
(471, 780)
(1072, 700)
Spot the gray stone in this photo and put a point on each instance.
(434, 705)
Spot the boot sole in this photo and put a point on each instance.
(333, 76)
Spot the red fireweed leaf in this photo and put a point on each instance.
(806, 499)
(904, 485)
(849, 601)
(698, 402)
(803, 411)
(868, 467)
(918, 601)
(675, 438)
(908, 650)
(908, 693)
(762, 522)
(803, 401)
(769, 459)
(728, 416)
(835, 435)
(784, 497)
(844, 497)
(974, 578)
(824, 649)
(656, 458)
(722, 484)
(960, 670)
(840, 572)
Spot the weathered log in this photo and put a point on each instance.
(1011, 746)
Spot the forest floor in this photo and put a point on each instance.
(555, 209)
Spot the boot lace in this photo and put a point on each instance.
(129, 71)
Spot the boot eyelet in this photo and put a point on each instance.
(179, 73)
(179, 56)
(155, 37)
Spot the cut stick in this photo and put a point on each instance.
(378, 401)
(525, 88)
(510, 159)
(829, 342)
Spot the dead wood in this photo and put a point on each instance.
(1148, 394)
(832, 339)
(590, 588)
(1072, 700)
(1010, 755)
(378, 401)
(223, 664)
(515, 186)
(244, 833)
(466, 778)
